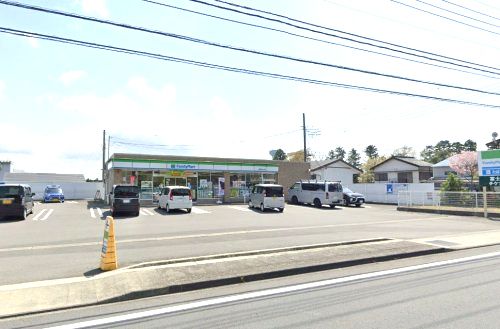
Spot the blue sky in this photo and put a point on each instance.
(55, 99)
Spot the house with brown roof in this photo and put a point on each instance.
(335, 170)
(398, 169)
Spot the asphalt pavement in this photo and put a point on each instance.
(453, 290)
(64, 240)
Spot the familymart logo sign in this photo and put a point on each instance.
(182, 166)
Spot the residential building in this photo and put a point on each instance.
(335, 170)
(398, 169)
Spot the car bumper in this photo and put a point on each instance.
(53, 199)
(126, 208)
(11, 210)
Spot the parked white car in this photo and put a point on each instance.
(175, 197)
(267, 196)
(317, 193)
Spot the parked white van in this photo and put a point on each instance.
(267, 196)
(317, 193)
(175, 197)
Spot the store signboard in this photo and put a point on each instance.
(489, 163)
(182, 166)
(489, 181)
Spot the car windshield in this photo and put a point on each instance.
(9, 191)
(127, 191)
(274, 191)
(53, 190)
(180, 192)
(335, 187)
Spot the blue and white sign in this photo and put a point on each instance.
(490, 171)
(183, 166)
(389, 188)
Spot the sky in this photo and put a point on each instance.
(56, 99)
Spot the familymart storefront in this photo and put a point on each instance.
(210, 179)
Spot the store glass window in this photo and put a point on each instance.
(218, 184)
(239, 188)
(145, 182)
(205, 188)
(269, 178)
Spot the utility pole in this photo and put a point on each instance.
(304, 129)
(109, 144)
(103, 153)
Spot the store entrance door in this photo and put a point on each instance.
(178, 181)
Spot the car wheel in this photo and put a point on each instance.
(250, 204)
(317, 203)
(262, 207)
(295, 200)
(281, 209)
(137, 213)
(159, 206)
(188, 210)
(358, 205)
(332, 206)
(167, 208)
(24, 214)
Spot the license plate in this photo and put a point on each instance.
(7, 201)
(274, 198)
(55, 200)
(126, 201)
(361, 201)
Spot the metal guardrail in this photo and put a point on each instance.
(467, 201)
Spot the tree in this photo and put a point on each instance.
(470, 145)
(331, 154)
(465, 164)
(371, 151)
(354, 158)
(340, 153)
(452, 183)
(368, 176)
(298, 156)
(280, 155)
(405, 151)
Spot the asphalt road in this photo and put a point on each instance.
(441, 291)
(64, 240)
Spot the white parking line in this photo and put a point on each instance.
(99, 210)
(47, 214)
(92, 212)
(72, 202)
(146, 212)
(196, 210)
(239, 208)
(39, 214)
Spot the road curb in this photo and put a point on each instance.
(132, 283)
(448, 212)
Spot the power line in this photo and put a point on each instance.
(233, 69)
(313, 39)
(474, 11)
(458, 14)
(444, 17)
(251, 51)
(339, 31)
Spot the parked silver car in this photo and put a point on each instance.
(267, 196)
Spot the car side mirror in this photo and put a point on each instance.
(32, 194)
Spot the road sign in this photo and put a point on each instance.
(489, 163)
(489, 180)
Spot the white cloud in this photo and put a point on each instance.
(95, 7)
(69, 77)
(33, 42)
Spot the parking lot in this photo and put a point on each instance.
(64, 239)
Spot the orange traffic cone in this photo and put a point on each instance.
(109, 260)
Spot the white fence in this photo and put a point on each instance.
(76, 190)
(471, 201)
(388, 192)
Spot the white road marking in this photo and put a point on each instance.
(147, 211)
(178, 237)
(39, 214)
(47, 214)
(99, 210)
(269, 292)
(196, 210)
(92, 212)
(72, 202)
(240, 208)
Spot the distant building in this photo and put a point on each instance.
(29, 178)
(5, 167)
(494, 144)
(398, 169)
(441, 170)
(335, 170)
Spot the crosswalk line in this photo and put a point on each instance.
(240, 208)
(37, 216)
(196, 210)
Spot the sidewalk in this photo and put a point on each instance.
(456, 211)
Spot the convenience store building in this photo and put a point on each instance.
(210, 179)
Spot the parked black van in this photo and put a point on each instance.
(125, 198)
(16, 200)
